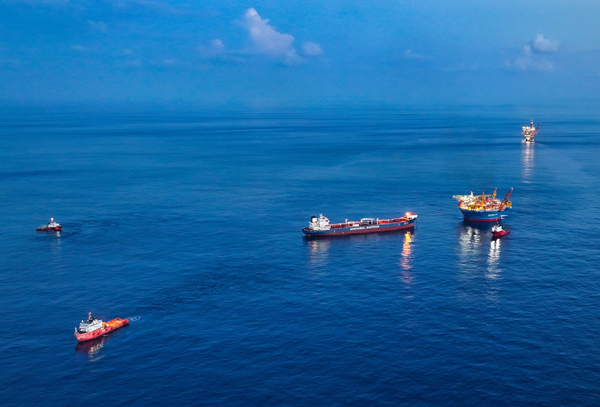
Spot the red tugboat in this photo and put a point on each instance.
(50, 226)
(497, 231)
(94, 327)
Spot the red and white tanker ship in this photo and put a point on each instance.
(320, 226)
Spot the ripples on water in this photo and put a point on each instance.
(189, 223)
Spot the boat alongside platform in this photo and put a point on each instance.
(498, 232)
(320, 226)
(483, 208)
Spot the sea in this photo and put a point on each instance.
(188, 221)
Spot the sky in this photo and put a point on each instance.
(271, 53)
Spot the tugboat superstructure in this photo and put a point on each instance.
(497, 231)
(50, 226)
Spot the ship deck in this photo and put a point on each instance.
(370, 223)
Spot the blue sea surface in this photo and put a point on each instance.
(189, 222)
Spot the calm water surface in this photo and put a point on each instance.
(189, 223)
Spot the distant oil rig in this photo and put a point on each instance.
(529, 132)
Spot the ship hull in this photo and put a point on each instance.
(481, 216)
(46, 229)
(355, 230)
(109, 327)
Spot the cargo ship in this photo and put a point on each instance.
(320, 226)
(483, 208)
(93, 327)
(529, 132)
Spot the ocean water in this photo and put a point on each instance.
(189, 223)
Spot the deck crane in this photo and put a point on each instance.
(505, 202)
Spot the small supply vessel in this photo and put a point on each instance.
(94, 327)
(497, 231)
(50, 226)
(321, 227)
(529, 132)
(483, 208)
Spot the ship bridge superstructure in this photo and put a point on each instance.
(320, 223)
(90, 325)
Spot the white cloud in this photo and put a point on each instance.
(267, 40)
(169, 61)
(153, 5)
(215, 48)
(38, 2)
(79, 48)
(311, 49)
(98, 26)
(412, 55)
(544, 46)
(264, 37)
(133, 62)
(463, 67)
(127, 51)
(529, 61)
(217, 44)
(14, 63)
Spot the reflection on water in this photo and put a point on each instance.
(406, 252)
(406, 257)
(528, 150)
(319, 250)
(493, 258)
(54, 241)
(92, 348)
(473, 250)
(471, 238)
(474, 240)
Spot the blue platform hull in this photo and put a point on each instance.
(481, 216)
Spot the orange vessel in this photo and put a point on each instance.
(94, 327)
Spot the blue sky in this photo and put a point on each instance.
(299, 52)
